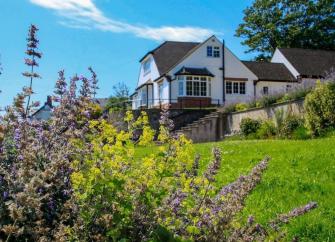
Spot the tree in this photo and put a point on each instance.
(119, 98)
(33, 54)
(269, 24)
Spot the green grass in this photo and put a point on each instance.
(299, 172)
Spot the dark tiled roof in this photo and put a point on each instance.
(194, 71)
(269, 71)
(170, 53)
(310, 62)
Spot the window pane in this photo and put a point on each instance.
(216, 52)
(181, 88)
(235, 85)
(265, 90)
(146, 66)
(229, 87)
(242, 87)
(196, 88)
(188, 78)
(189, 88)
(196, 78)
(203, 78)
(203, 89)
(209, 51)
(160, 91)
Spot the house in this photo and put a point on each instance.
(44, 112)
(190, 74)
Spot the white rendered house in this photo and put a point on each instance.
(189, 74)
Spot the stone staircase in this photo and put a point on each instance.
(205, 129)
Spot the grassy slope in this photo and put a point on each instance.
(299, 172)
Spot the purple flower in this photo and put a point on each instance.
(5, 195)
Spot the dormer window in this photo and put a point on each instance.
(213, 51)
(147, 66)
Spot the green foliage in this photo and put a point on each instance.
(267, 130)
(287, 23)
(289, 125)
(319, 108)
(249, 126)
(241, 106)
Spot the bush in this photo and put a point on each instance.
(241, 106)
(249, 126)
(319, 108)
(289, 125)
(301, 133)
(267, 130)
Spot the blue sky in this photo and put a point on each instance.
(109, 35)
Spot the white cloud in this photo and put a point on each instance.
(85, 14)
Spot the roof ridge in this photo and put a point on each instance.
(307, 49)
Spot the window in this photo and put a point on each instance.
(160, 91)
(143, 97)
(196, 88)
(181, 88)
(213, 51)
(209, 51)
(265, 90)
(146, 66)
(288, 88)
(235, 87)
(203, 89)
(229, 88)
(189, 88)
(216, 52)
(242, 87)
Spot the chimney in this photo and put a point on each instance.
(49, 101)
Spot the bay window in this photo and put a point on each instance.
(195, 86)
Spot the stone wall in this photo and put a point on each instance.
(180, 117)
(217, 125)
(233, 120)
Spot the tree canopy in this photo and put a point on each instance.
(268, 24)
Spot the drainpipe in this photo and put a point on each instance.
(223, 74)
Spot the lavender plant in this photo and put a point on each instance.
(36, 201)
(31, 62)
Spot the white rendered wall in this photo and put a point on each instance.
(152, 75)
(274, 87)
(278, 57)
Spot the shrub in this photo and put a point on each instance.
(301, 133)
(266, 130)
(230, 108)
(249, 126)
(241, 106)
(290, 124)
(319, 108)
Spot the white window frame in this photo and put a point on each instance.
(194, 79)
(146, 67)
(235, 87)
(213, 51)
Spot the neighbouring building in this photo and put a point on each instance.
(44, 112)
(190, 74)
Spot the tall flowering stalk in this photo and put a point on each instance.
(31, 62)
(36, 201)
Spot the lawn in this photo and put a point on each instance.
(299, 172)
